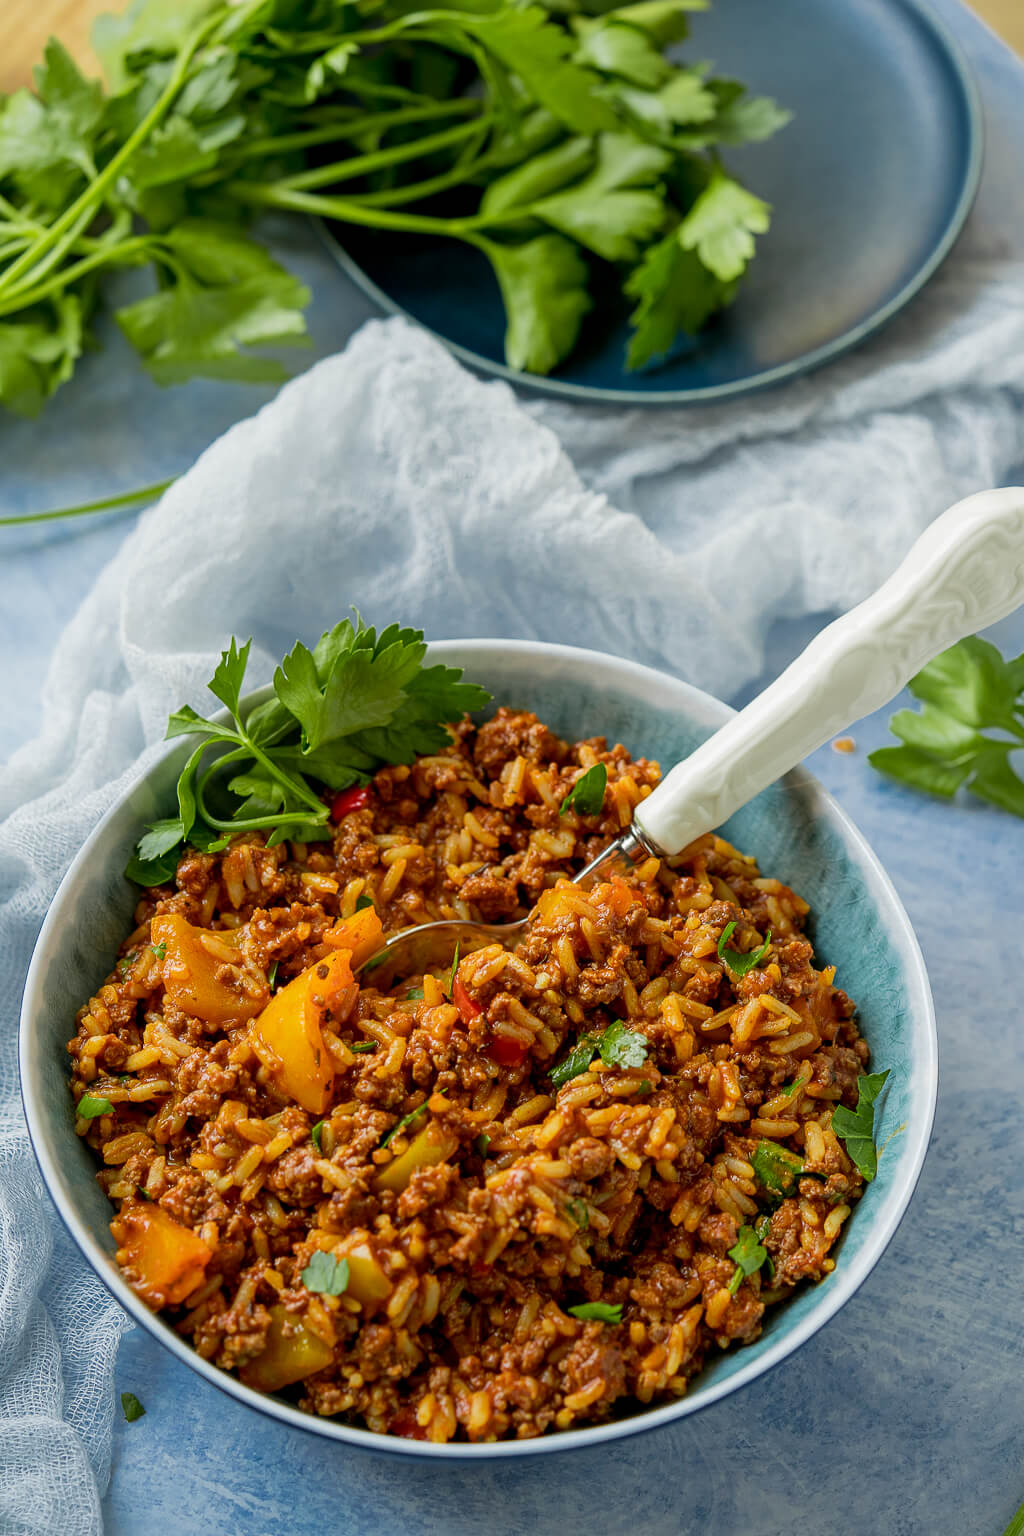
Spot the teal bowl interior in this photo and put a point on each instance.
(796, 831)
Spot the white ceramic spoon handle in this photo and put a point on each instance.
(965, 571)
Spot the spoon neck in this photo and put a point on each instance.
(633, 847)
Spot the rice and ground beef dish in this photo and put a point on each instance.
(527, 1193)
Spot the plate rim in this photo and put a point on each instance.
(807, 362)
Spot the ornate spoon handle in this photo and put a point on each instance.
(965, 572)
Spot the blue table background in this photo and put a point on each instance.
(905, 1415)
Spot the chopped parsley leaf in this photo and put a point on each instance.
(482, 1143)
(405, 1121)
(749, 1254)
(326, 1274)
(621, 1046)
(645, 1085)
(414, 995)
(618, 1046)
(587, 794)
(315, 1136)
(88, 1107)
(160, 950)
(364, 1047)
(363, 901)
(452, 974)
(579, 1211)
(131, 1407)
(777, 1168)
(598, 1311)
(577, 1061)
(272, 975)
(857, 1126)
(125, 963)
(739, 964)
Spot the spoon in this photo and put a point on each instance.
(965, 572)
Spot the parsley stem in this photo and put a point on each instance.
(415, 191)
(395, 154)
(118, 254)
(88, 201)
(348, 211)
(246, 824)
(356, 126)
(108, 504)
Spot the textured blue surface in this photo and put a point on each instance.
(881, 157)
(903, 1418)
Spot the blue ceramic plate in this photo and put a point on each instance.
(796, 831)
(871, 183)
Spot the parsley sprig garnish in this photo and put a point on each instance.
(970, 724)
(569, 142)
(357, 701)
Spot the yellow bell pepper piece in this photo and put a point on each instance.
(292, 1353)
(165, 1261)
(362, 935)
(367, 1282)
(288, 1035)
(433, 1145)
(190, 973)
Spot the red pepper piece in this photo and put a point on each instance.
(507, 1052)
(464, 1003)
(354, 799)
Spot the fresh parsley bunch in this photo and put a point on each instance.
(354, 703)
(556, 139)
(969, 726)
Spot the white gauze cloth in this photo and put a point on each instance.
(390, 478)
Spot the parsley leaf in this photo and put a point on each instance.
(740, 964)
(160, 950)
(777, 1168)
(676, 294)
(857, 1126)
(579, 1211)
(363, 901)
(131, 1407)
(587, 794)
(722, 224)
(316, 1135)
(619, 205)
(967, 692)
(363, 1047)
(544, 285)
(621, 1046)
(577, 1061)
(598, 1311)
(326, 1274)
(618, 1045)
(272, 975)
(482, 1142)
(89, 1107)
(749, 1254)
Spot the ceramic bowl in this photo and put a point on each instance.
(796, 831)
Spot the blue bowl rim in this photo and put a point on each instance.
(817, 356)
(843, 1283)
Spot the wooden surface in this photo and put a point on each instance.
(26, 24)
